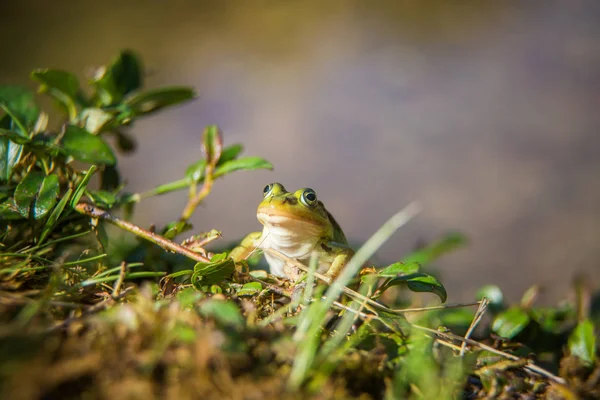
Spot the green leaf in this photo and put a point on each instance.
(120, 78)
(494, 294)
(399, 268)
(55, 215)
(212, 144)
(20, 101)
(36, 194)
(435, 250)
(14, 136)
(511, 322)
(230, 153)
(86, 147)
(175, 228)
(103, 198)
(16, 125)
(62, 85)
(582, 342)
(215, 271)
(80, 190)
(94, 119)
(249, 289)
(457, 317)
(418, 282)
(189, 297)
(155, 99)
(9, 211)
(195, 172)
(259, 274)
(224, 312)
(427, 283)
(242, 164)
(10, 154)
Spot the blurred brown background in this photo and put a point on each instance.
(487, 112)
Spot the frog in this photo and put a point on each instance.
(296, 224)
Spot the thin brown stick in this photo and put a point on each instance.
(119, 282)
(530, 365)
(195, 199)
(476, 319)
(94, 212)
(355, 294)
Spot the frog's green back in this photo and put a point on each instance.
(338, 234)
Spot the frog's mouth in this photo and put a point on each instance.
(281, 220)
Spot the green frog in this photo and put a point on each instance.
(296, 224)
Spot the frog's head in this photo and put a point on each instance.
(299, 212)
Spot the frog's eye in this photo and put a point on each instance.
(268, 189)
(309, 198)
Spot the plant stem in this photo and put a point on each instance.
(94, 212)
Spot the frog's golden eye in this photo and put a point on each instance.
(268, 189)
(309, 198)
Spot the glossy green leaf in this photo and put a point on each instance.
(102, 198)
(155, 99)
(215, 271)
(582, 342)
(242, 164)
(10, 154)
(121, 77)
(429, 284)
(36, 194)
(511, 322)
(224, 312)
(86, 147)
(418, 282)
(62, 85)
(212, 144)
(55, 215)
(399, 268)
(250, 289)
(21, 103)
(433, 251)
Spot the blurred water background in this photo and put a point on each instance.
(487, 112)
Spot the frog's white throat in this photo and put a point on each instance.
(294, 238)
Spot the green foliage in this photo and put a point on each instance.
(582, 342)
(107, 302)
(42, 183)
(511, 322)
(218, 269)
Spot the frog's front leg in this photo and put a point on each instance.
(246, 247)
(343, 255)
